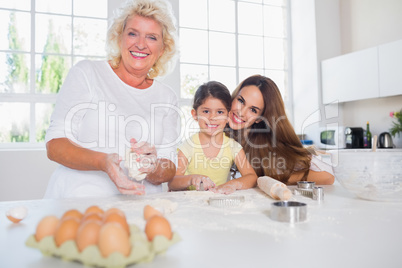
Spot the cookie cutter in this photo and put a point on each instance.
(288, 211)
(308, 189)
(305, 184)
(226, 201)
(318, 193)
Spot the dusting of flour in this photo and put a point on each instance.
(191, 210)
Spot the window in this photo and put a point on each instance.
(229, 40)
(223, 40)
(38, 45)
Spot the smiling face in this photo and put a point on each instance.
(247, 107)
(141, 44)
(212, 116)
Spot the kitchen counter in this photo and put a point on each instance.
(341, 231)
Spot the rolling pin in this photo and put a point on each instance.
(274, 188)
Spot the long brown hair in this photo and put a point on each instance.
(271, 145)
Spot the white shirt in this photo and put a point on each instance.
(98, 111)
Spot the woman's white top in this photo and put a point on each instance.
(98, 111)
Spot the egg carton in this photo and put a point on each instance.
(142, 250)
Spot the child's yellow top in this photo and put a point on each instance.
(217, 168)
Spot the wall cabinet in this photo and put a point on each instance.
(350, 77)
(370, 73)
(390, 68)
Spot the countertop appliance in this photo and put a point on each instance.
(332, 137)
(385, 140)
(354, 137)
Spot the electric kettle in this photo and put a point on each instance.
(385, 140)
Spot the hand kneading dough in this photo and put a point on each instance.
(132, 166)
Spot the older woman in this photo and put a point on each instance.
(258, 121)
(105, 108)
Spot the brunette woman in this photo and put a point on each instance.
(258, 121)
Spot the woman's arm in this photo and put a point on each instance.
(246, 181)
(182, 182)
(69, 154)
(319, 177)
(164, 172)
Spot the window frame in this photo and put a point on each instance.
(183, 101)
(31, 97)
(174, 80)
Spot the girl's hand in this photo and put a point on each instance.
(228, 188)
(206, 182)
(122, 182)
(147, 155)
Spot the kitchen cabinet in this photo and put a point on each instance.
(390, 68)
(350, 77)
(370, 73)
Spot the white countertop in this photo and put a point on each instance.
(342, 231)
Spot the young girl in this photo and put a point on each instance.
(205, 159)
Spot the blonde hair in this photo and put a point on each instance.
(158, 10)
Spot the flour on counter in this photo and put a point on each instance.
(194, 212)
(165, 205)
(190, 210)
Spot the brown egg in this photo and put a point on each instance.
(113, 238)
(72, 213)
(93, 209)
(92, 216)
(114, 210)
(150, 212)
(46, 227)
(66, 230)
(88, 234)
(158, 225)
(117, 218)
